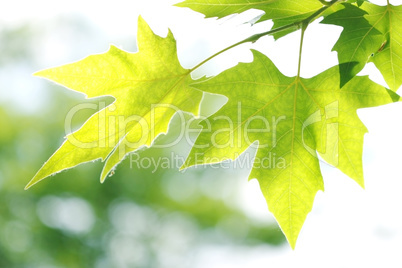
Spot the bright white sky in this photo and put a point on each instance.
(348, 227)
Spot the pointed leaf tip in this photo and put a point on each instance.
(32, 182)
(141, 21)
(42, 73)
(104, 174)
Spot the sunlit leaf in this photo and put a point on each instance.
(292, 122)
(291, 118)
(149, 86)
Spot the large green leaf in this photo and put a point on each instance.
(358, 41)
(291, 118)
(388, 56)
(289, 10)
(149, 87)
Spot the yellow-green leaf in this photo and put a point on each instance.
(149, 87)
(292, 119)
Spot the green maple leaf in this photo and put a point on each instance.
(291, 118)
(358, 41)
(388, 56)
(277, 10)
(139, 82)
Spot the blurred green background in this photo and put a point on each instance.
(138, 217)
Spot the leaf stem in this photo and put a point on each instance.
(304, 27)
(296, 25)
(252, 39)
(216, 54)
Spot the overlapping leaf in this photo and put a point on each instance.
(149, 87)
(358, 41)
(388, 56)
(282, 12)
(274, 9)
(291, 118)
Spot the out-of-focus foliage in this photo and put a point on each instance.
(319, 114)
(141, 218)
